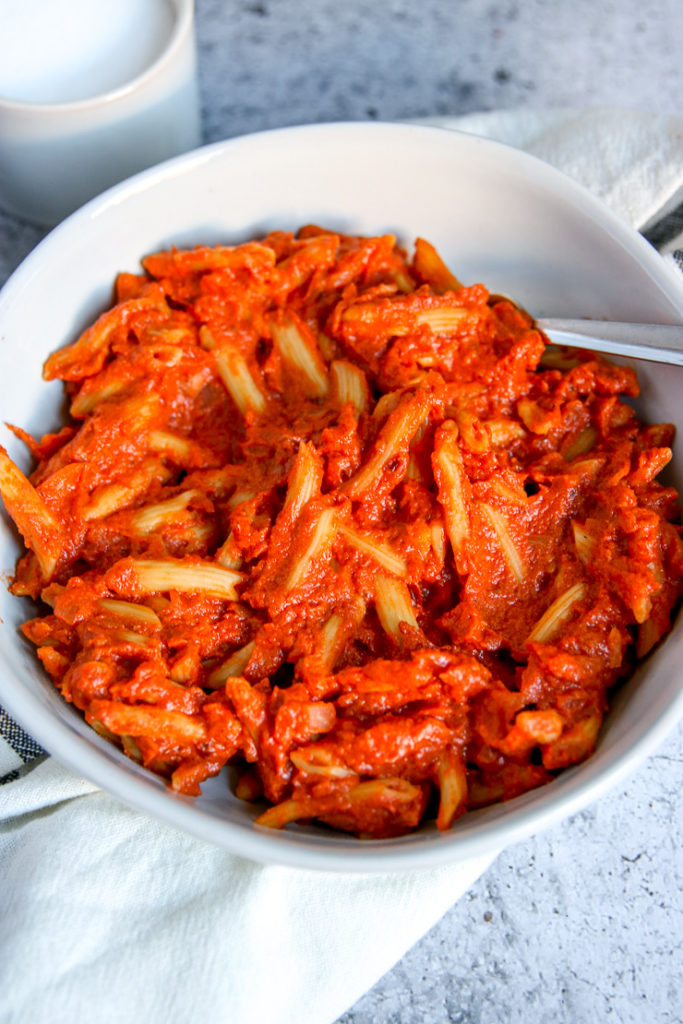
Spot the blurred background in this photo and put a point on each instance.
(269, 63)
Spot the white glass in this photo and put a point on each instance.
(87, 102)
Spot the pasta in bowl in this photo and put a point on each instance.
(330, 517)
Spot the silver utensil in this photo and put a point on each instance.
(661, 343)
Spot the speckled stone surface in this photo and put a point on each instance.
(579, 925)
(583, 923)
(269, 63)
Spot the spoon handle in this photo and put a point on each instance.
(662, 343)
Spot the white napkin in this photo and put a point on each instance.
(111, 916)
(631, 159)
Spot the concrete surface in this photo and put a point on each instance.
(268, 63)
(584, 923)
(579, 925)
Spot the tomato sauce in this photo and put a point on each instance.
(325, 514)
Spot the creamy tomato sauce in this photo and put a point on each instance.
(323, 513)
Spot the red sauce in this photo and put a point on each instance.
(324, 513)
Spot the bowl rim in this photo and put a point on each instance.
(556, 181)
(569, 793)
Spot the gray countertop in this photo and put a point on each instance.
(584, 922)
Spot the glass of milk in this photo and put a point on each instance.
(90, 93)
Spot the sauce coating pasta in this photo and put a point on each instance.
(325, 514)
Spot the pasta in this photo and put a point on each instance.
(326, 515)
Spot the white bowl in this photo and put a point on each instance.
(496, 215)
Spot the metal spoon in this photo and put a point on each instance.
(661, 343)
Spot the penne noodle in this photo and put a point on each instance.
(170, 444)
(517, 495)
(253, 256)
(503, 432)
(324, 532)
(131, 748)
(453, 491)
(232, 666)
(129, 636)
(581, 445)
(129, 610)
(393, 442)
(498, 523)
(228, 554)
(402, 320)
(152, 517)
(328, 771)
(41, 531)
(432, 269)
(110, 498)
(443, 320)
(338, 629)
(349, 384)
(298, 347)
(557, 614)
(122, 719)
(584, 543)
(239, 498)
(393, 606)
(88, 353)
(305, 480)
(283, 813)
(88, 399)
(438, 540)
(107, 500)
(452, 781)
(151, 576)
(381, 553)
(540, 726)
(235, 374)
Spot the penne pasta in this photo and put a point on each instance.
(498, 523)
(431, 268)
(393, 606)
(305, 480)
(326, 516)
(584, 543)
(349, 384)
(228, 554)
(42, 532)
(557, 614)
(322, 536)
(152, 576)
(122, 719)
(88, 399)
(170, 444)
(234, 372)
(129, 610)
(392, 444)
(453, 491)
(88, 353)
(153, 517)
(380, 553)
(299, 348)
(452, 781)
(235, 665)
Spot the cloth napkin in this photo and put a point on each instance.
(108, 915)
